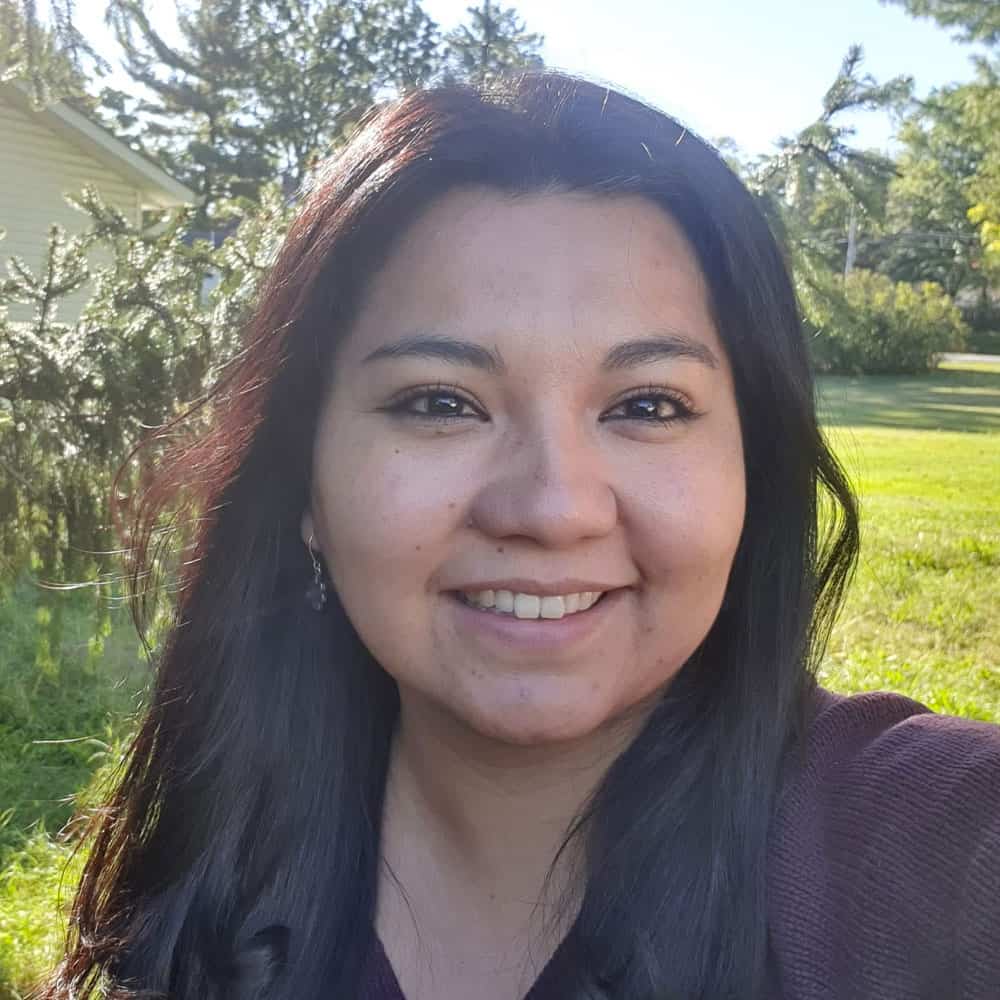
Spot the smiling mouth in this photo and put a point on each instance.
(529, 607)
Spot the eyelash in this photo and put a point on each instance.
(682, 405)
(400, 407)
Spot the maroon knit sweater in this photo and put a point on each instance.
(884, 863)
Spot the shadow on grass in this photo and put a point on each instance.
(966, 401)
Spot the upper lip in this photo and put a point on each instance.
(520, 585)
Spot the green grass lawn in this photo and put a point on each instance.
(922, 615)
(921, 618)
(57, 721)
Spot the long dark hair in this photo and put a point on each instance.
(238, 856)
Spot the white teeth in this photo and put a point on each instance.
(552, 607)
(527, 605)
(531, 605)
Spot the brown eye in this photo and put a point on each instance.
(656, 407)
(435, 404)
(438, 404)
(647, 408)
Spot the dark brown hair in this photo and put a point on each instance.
(238, 855)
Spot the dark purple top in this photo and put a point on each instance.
(380, 981)
(884, 866)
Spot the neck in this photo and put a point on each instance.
(474, 826)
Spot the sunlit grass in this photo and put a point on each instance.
(970, 366)
(922, 615)
(36, 888)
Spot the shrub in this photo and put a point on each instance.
(867, 323)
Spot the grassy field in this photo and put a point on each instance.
(922, 615)
(56, 725)
(921, 618)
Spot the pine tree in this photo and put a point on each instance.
(954, 163)
(77, 395)
(196, 120)
(976, 20)
(319, 65)
(495, 42)
(55, 60)
(259, 90)
(820, 176)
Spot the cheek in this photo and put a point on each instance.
(684, 527)
(687, 517)
(383, 513)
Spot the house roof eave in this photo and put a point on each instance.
(157, 188)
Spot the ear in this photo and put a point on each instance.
(308, 527)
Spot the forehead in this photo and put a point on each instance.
(548, 268)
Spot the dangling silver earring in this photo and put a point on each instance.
(316, 591)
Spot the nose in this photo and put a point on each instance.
(548, 486)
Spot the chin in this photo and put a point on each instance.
(533, 714)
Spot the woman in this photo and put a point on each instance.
(492, 669)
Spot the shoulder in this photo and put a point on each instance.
(880, 769)
(886, 845)
(890, 751)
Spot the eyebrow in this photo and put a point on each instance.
(661, 347)
(449, 349)
(629, 354)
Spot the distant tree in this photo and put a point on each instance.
(191, 120)
(494, 41)
(819, 180)
(947, 199)
(260, 90)
(976, 20)
(317, 66)
(985, 211)
(257, 91)
(946, 145)
(53, 58)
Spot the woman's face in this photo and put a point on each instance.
(533, 405)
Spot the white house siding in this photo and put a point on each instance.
(37, 168)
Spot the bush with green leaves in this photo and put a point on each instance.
(868, 323)
(78, 391)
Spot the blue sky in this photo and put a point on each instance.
(749, 69)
